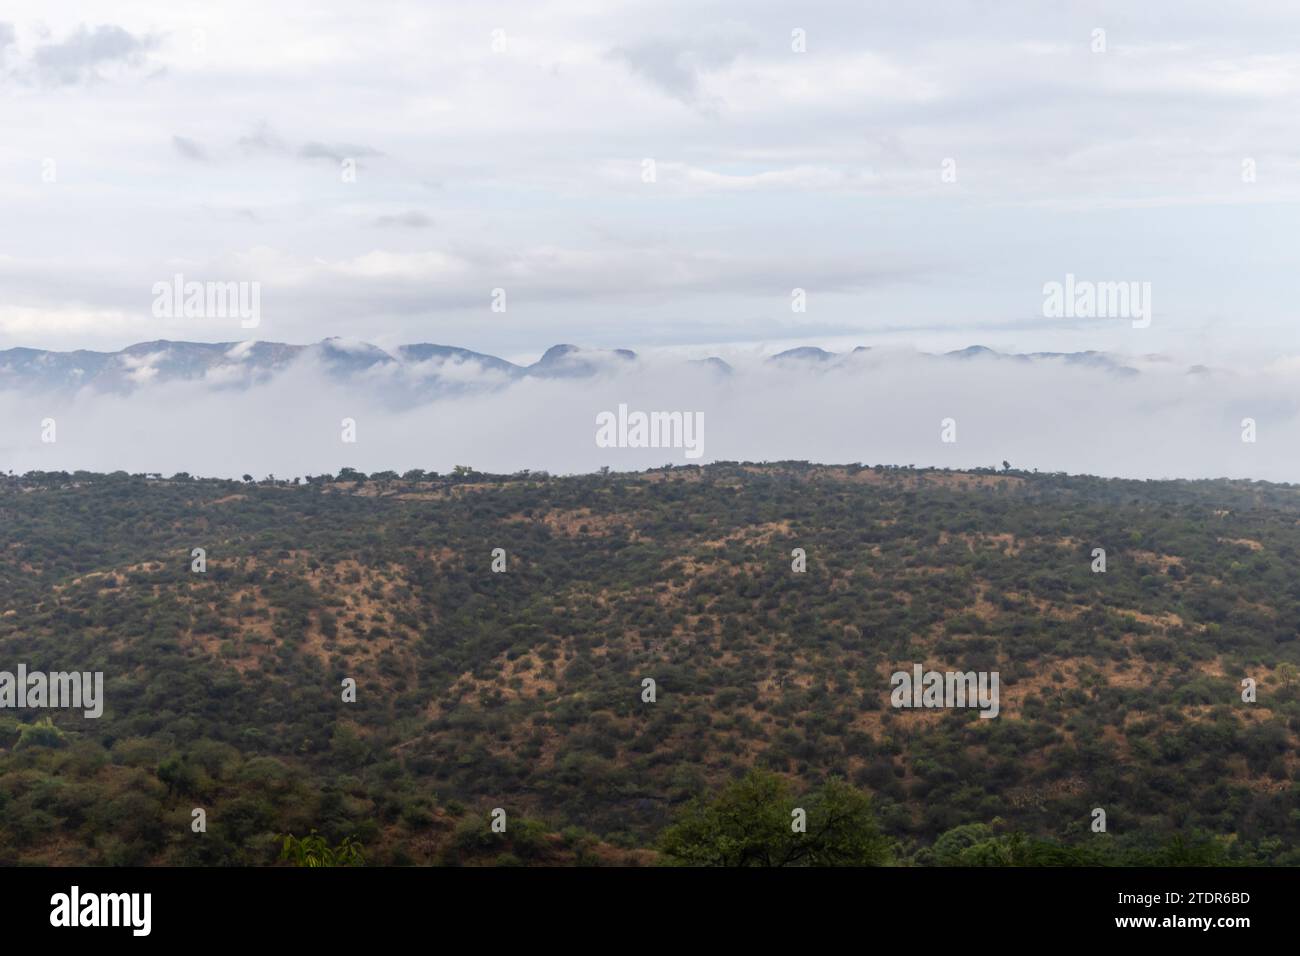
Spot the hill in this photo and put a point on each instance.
(417, 372)
(523, 689)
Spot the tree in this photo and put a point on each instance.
(42, 733)
(312, 850)
(750, 823)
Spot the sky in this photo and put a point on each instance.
(920, 171)
(679, 178)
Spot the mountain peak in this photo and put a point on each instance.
(803, 353)
(431, 368)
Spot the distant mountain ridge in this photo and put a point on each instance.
(440, 368)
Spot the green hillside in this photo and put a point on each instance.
(523, 690)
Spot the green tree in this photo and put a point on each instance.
(312, 850)
(751, 822)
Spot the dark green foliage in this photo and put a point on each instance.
(752, 823)
(477, 690)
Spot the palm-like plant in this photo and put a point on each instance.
(312, 850)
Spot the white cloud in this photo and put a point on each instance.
(881, 407)
(522, 168)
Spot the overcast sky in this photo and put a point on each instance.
(502, 145)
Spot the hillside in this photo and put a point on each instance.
(523, 689)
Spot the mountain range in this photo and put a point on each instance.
(424, 367)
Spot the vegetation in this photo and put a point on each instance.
(755, 822)
(312, 850)
(523, 690)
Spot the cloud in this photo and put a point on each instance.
(878, 407)
(189, 149)
(309, 297)
(85, 52)
(687, 178)
(262, 139)
(7, 39)
(776, 169)
(677, 67)
(337, 152)
(411, 219)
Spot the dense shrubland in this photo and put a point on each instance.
(522, 690)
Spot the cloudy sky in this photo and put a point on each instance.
(505, 145)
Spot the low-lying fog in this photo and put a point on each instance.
(876, 408)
